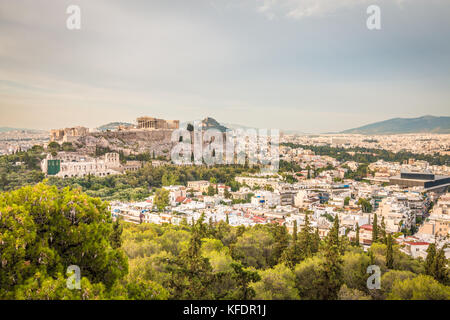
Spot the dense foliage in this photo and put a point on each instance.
(368, 155)
(137, 185)
(21, 168)
(43, 231)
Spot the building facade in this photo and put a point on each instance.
(67, 165)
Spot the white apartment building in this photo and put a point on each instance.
(397, 215)
(266, 198)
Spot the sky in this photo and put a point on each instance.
(306, 65)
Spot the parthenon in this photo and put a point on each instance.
(153, 123)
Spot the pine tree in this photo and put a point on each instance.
(116, 235)
(440, 269)
(389, 253)
(383, 231)
(371, 257)
(202, 227)
(281, 236)
(293, 254)
(375, 229)
(331, 277)
(333, 234)
(227, 220)
(244, 277)
(357, 235)
(211, 227)
(305, 239)
(316, 241)
(429, 261)
(192, 274)
(294, 232)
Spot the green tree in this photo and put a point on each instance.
(44, 230)
(387, 282)
(254, 248)
(346, 293)
(307, 274)
(192, 274)
(357, 235)
(429, 261)
(169, 179)
(294, 232)
(440, 267)
(346, 201)
(305, 238)
(375, 228)
(365, 204)
(244, 277)
(116, 234)
(316, 241)
(354, 269)
(383, 231)
(330, 279)
(389, 253)
(54, 146)
(143, 289)
(276, 284)
(161, 199)
(211, 191)
(281, 242)
(422, 287)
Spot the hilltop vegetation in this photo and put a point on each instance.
(23, 168)
(20, 169)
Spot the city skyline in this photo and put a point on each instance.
(310, 66)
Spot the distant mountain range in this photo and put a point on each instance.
(425, 124)
(113, 126)
(8, 129)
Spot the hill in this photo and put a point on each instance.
(113, 126)
(207, 123)
(425, 124)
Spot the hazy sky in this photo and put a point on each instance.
(309, 65)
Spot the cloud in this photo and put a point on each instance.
(299, 9)
(185, 60)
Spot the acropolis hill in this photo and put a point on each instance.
(149, 134)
